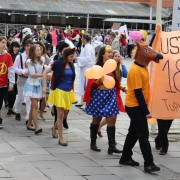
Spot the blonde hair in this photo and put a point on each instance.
(118, 70)
(32, 54)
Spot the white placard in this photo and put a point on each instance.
(176, 16)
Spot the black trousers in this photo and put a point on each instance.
(161, 139)
(138, 129)
(12, 96)
(130, 48)
(3, 93)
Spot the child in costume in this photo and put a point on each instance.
(102, 102)
(33, 85)
(121, 71)
(6, 72)
(61, 94)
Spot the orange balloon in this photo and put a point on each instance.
(151, 121)
(109, 66)
(97, 72)
(87, 73)
(108, 82)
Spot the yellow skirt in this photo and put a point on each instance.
(62, 99)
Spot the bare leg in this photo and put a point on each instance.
(102, 123)
(60, 117)
(30, 119)
(43, 106)
(54, 129)
(34, 112)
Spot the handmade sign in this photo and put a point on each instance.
(164, 99)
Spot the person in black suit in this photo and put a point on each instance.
(48, 38)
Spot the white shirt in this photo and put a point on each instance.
(85, 61)
(17, 64)
(130, 41)
(76, 38)
(99, 38)
(31, 68)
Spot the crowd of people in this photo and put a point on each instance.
(29, 72)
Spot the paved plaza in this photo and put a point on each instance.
(26, 156)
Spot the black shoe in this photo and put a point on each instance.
(163, 152)
(111, 138)
(24, 104)
(18, 117)
(10, 112)
(75, 102)
(129, 163)
(151, 168)
(93, 136)
(27, 123)
(65, 124)
(38, 131)
(1, 125)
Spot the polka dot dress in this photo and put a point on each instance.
(103, 103)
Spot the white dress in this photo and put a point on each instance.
(85, 61)
(33, 86)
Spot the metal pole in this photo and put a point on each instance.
(87, 24)
(150, 25)
(158, 21)
(103, 26)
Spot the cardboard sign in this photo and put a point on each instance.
(164, 99)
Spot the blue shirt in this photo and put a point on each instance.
(66, 83)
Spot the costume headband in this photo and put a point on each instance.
(107, 48)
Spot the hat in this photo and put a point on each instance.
(28, 42)
(25, 32)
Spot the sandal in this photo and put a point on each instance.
(42, 117)
(54, 136)
(62, 144)
(30, 129)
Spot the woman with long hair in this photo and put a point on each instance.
(61, 94)
(13, 51)
(102, 102)
(120, 72)
(33, 85)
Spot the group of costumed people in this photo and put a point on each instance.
(33, 81)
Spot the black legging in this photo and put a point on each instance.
(3, 92)
(55, 115)
(12, 96)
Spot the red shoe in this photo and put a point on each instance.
(100, 134)
(115, 142)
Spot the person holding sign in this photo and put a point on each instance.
(136, 107)
(161, 140)
(102, 102)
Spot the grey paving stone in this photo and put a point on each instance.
(11, 157)
(91, 170)
(21, 170)
(30, 178)
(75, 160)
(33, 151)
(58, 172)
(69, 178)
(67, 150)
(40, 157)
(48, 164)
(4, 174)
(104, 177)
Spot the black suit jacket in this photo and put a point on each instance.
(49, 38)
